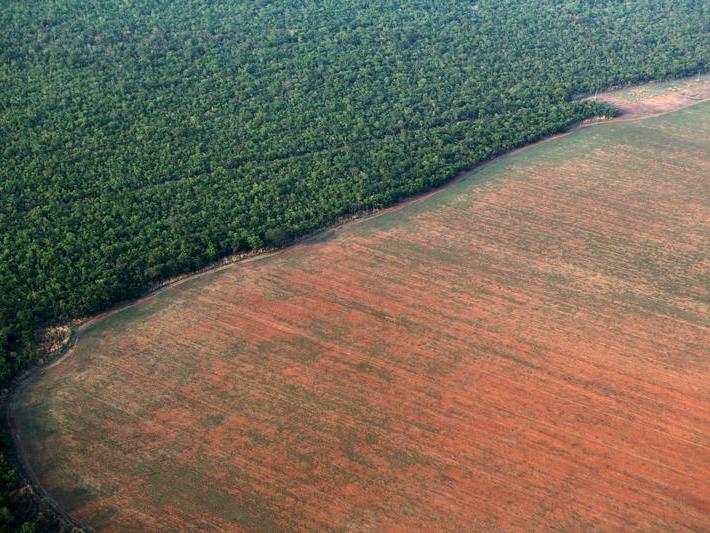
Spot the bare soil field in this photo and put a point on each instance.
(653, 98)
(526, 349)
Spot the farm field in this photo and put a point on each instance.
(525, 349)
(639, 101)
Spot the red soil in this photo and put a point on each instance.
(656, 98)
(526, 352)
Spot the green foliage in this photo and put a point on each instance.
(143, 139)
(277, 236)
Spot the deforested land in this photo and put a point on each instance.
(527, 348)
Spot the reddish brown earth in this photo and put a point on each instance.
(659, 97)
(527, 349)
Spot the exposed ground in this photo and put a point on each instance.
(654, 98)
(527, 349)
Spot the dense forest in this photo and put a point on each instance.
(146, 138)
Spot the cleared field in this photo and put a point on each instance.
(526, 349)
(659, 97)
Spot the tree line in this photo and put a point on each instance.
(145, 139)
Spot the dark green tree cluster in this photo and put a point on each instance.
(146, 138)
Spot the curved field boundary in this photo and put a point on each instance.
(227, 262)
(17, 392)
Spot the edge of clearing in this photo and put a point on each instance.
(54, 357)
